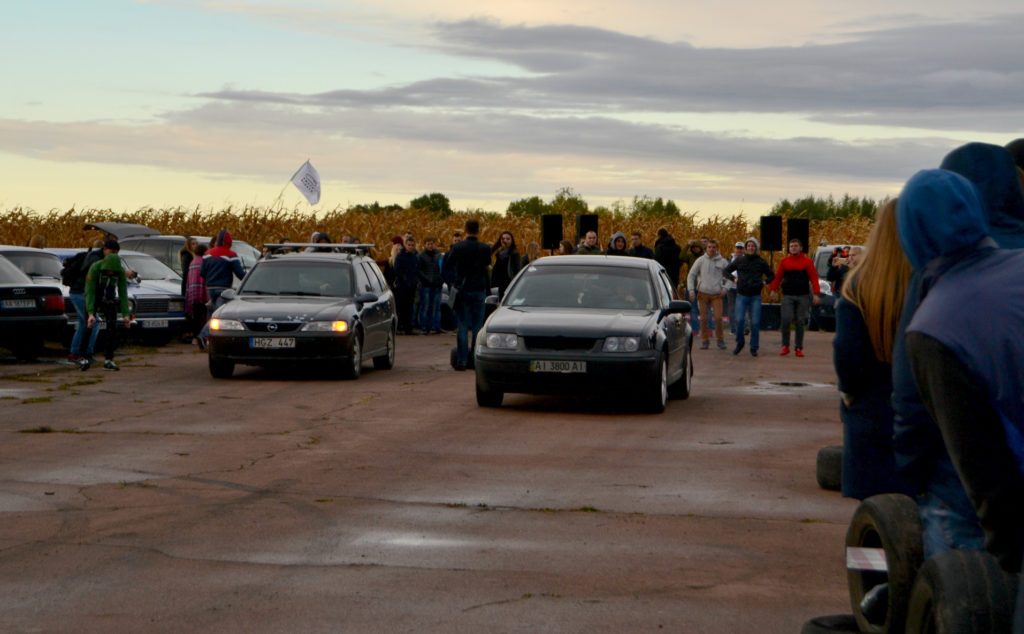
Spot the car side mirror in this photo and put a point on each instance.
(366, 298)
(491, 300)
(228, 295)
(678, 306)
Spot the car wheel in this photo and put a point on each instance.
(488, 398)
(657, 397)
(221, 369)
(681, 388)
(352, 367)
(386, 361)
(961, 591)
(830, 467)
(889, 523)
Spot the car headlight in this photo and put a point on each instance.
(175, 306)
(226, 324)
(621, 344)
(502, 341)
(131, 306)
(326, 326)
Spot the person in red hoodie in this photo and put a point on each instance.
(799, 281)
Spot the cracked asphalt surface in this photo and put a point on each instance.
(159, 499)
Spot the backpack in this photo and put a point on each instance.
(71, 271)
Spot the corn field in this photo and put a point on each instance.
(258, 225)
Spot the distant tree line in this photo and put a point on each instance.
(814, 208)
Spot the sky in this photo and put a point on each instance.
(723, 106)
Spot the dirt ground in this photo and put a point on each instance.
(159, 499)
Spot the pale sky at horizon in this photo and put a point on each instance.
(723, 107)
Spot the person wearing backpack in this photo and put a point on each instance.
(106, 289)
(73, 275)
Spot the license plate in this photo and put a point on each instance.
(19, 303)
(272, 342)
(566, 367)
(155, 323)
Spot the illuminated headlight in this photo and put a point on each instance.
(131, 306)
(326, 326)
(502, 341)
(621, 344)
(226, 324)
(175, 306)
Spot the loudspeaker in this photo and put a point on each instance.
(585, 223)
(798, 229)
(550, 231)
(771, 233)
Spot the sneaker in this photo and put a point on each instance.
(73, 357)
(799, 352)
(721, 344)
(704, 345)
(753, 352)
(739, 346)
(110, 365)
(84, 363)
(784, 351)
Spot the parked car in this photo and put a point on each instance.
(29, 312)
(165, 248)
(587, 325)
(823, 316)
(331, 308)
(154, 295)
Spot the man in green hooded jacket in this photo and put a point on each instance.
(106, 289)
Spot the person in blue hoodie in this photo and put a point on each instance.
(971, 379)
(939, 213)
(992, 170)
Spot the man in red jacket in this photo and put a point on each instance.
(799, 281)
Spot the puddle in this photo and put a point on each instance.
(785, 388)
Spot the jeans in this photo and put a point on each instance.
(215, 303)
(109, 310)
(730, 308)
(945, 527)
(430, 308)
(78, 300)
(469, 312)
(405, 298)
(753, 304)
(794, 306)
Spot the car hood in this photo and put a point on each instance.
(156, 286)
(581, 322)
(284, 309)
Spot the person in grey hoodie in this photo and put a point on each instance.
(707, 287)
(617, 245)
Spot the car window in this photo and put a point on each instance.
(583, 287)
(362, 283)
(149, 268)
(665, 288)
(373, 275)
(10, 274)
(275, 277)
(35, 263)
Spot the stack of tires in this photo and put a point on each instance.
(893, 589)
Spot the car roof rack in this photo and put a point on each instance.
(329, 247)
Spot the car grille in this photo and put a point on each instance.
(151, 305)
(262, 326)
(559, 343)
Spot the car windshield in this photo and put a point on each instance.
(149, 268)
(277, 277)
(583, 287)
(33, 263)
(10, 274)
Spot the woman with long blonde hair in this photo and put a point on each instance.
(867, 317)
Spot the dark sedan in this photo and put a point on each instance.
(587, 325)
(298, 308)
(29, 312)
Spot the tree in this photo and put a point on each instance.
(436, 204)
(645, 207)
(568, 203)
(824, 208)
(532, 207)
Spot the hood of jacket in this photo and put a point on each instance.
(616, 236)
(939, 212)
(1016, 150)
(993, 172)
(223, 239)
(757, 245)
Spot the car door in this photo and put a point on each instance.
(369, 315)
(674, 327)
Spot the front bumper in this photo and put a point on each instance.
(509, 371)
(309, 347)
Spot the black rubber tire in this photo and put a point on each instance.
(830, 467)
(386, 361)
(829, 624)
(656, 396)
(890, 522)
(681, 388)
(488, 398)
(961, 592)
(220, 369)
(352, 366)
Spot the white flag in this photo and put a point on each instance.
(307, 180)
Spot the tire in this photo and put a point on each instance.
(453, 357)
(488, 398)
(890, 522)
(352, 366)
(386, 361)
(221, 369)
(830, 468)
(961, 591)
(829, 624)
(681, 388)
(657, 394)
(27, 348)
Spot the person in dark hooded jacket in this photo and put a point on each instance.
(971, 378)
(939, 213)
(667, 254)
(1016, 150)
(752, 274)
(220, 265)
(993, 172)
(617, 245)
